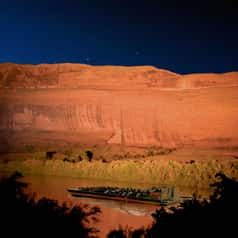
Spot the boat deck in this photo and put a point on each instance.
(99, 193)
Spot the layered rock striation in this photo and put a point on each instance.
(133, 106)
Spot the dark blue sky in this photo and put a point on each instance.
(183, 37)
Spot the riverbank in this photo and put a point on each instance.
(181, 168)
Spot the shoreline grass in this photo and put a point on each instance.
(196, 174)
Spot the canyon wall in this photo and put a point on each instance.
(71, 104)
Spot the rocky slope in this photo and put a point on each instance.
(134, 106)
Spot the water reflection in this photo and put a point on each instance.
(134, 209)
(114, 213)
(56, 188)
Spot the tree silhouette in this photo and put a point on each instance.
(22, 215)
(198, 218)
(126, 233)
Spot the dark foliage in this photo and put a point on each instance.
(23, 216)
(50, 154)
(120, 233)
(89, 155)
(196, 218)
(126, 233)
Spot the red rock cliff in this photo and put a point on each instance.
(73, 103)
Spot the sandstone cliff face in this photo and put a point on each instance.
(133, 106)
(81, 76)
(105, 77)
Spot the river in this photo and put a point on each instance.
(114, 213)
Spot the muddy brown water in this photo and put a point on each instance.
(114, 213)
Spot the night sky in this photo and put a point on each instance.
(184, 37)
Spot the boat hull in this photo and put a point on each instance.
(76, 193)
